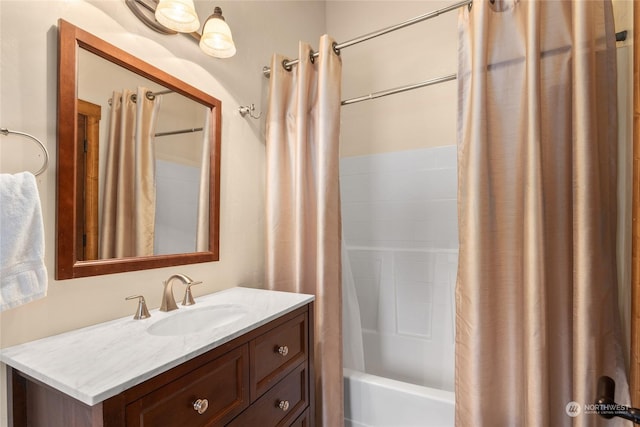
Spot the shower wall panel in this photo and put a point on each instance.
(400, 226)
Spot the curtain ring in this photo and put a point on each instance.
(335, 49)
(311, 57)
(285, 65)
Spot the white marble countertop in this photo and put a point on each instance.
(95, 363)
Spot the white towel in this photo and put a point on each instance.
(23, 275)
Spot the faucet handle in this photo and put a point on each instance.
(141, 312)
(188, 297)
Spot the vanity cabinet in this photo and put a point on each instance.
(262, 378)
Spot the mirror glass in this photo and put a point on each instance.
(138, 181)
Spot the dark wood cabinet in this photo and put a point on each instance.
(262, 378)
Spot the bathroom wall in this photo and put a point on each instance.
(421, 118)
(28, 90)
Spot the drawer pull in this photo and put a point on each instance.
(284, 405)
(283, 350)
(201, 406)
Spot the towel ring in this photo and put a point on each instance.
(5, 131)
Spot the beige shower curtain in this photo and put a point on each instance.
(303, 205)
(537, 319)
(129, 197)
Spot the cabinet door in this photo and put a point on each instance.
(208, 396)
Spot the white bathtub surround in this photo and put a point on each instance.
(408, 324)
(404, 199)
(373, 401)
(400, 225)
(98, 362)
(352, 345)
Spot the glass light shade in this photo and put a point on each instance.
(178, 15)
(216, 38)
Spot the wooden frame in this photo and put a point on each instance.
(88, 138)
(69, 210)
(635, 241)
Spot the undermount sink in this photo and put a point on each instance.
(198, 319)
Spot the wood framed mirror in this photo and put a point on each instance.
(84, 136)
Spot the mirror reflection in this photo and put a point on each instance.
(150, 156)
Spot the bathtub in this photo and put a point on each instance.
(373, 401)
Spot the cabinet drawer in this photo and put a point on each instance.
(281, 405)
(222, 382)
(276, 353)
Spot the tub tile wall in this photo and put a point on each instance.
(405, 199)
(399, 215)
(414, 303)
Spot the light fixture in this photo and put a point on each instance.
(171, 16)
(178, 15)
(216, 39)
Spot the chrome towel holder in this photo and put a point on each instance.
(5, 131)
(248, 110)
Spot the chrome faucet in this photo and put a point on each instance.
(168, 300)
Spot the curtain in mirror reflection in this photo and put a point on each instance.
(128, 211)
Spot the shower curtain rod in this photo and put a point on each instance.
(400, 89)
(266, 71)
(177, 132)
(337, 47)
(620, 36)
(151, 95)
